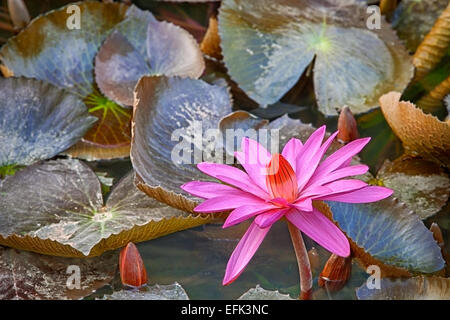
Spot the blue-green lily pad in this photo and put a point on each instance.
(170, 132)
(38, 121)
(267, 45)
(390, 233)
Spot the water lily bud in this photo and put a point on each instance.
(131, 266)
(348, 129)
(19, 13)
(336, 273)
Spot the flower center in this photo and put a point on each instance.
(281, 180)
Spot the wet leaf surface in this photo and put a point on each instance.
(422, 185)
(38, 121)
(60, 212)
(31, 276)
(167, 115)
(267, 46)
(417, 288)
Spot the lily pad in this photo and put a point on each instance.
(31, 276)
(49, 50)
(57, 208)
(156, 292)
(259, 293)
(422, 134)
(417, 288)
(38, 121)
(172, 115)
(267, 45)
(422, 185)
(413, 19)
(391, 234)
(130, 52)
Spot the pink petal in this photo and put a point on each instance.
(343, 186)
(338, 174)
(268, 218)
(319, 228)
(207, 190)
(254, 158)
(303, 205)
(340, 157)
(305, 160)
(246, 185)
(245, 212)
(291, 151)
(224, 203)
(243, 252)
(313, 191)
(363, 195)
(217, 169)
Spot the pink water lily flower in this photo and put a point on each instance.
(284, 185)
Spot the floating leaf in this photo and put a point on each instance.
(387, 234)
(172, 115)
(422, 185)
(259, 293)
(38, 121)
(422, 134)
(155, 292)
(413, 19)
(57, 208)
(41, 51)
(434, 45)
(27, 275)
(267, 45)
(417, 288)
(168, 50)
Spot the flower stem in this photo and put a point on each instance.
(304, 267)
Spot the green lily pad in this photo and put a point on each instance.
(259, 293)
(417, 288)
(57, 208)
(413, 19)
(156, 292)
(173, 114)
(390, 233)
(422, 185)
(267, 45)
(141, 45)
(37, 121)
(31, 276)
